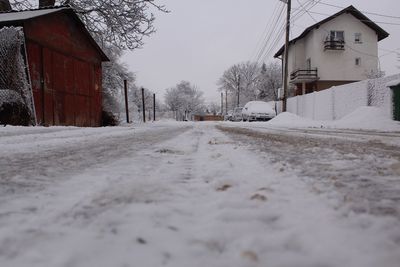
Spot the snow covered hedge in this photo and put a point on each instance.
(15, 92)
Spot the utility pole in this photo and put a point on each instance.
(143, 106)
(149, 114)
(222, 103)
(126, 100)
(226, 102)
(285, 75)
(238, 92)
(154, 107)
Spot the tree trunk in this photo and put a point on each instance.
(46, 3)
(5, 5)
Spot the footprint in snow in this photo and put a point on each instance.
(258, 197)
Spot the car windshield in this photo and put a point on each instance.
(260, 107)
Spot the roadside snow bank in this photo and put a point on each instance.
(287, 119)
(367, 118)
(363, 118)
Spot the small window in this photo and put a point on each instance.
(358, 61)
(357, 38)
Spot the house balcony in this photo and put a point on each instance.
(304, 75)
(334, 45)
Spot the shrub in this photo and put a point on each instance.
(14, 113)
(109, 119)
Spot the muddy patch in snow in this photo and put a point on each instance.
(169, 151)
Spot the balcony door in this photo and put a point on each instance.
(337, 36)
(308, 65)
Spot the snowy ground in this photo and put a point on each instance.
(205, 194)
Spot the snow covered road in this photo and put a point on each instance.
(195, 195)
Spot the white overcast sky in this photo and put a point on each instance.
(200, 39)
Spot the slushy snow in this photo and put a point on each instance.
(181, 194)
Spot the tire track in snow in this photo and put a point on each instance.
(28, 172)
(365, 172)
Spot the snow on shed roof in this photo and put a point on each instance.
(28, 14)
(393, 83)
(11, 17)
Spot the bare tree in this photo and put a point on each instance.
(173, 101)
(184, 99)
(241, 81)
(250, 73)
(114, 74)
(123, 23)
(213, 108)
(270, 81)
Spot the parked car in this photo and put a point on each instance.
(258, 111)
(237, 114)
(228, 116)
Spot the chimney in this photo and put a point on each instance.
(5, 5)
(46, 3)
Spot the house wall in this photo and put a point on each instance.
(337, 65)
(61, 55)
(340, 65)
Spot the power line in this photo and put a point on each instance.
(380, 22)
(271, 31)
(266, 30)
(273, 42)
(309, 4)
(389, 52)
(366, 12)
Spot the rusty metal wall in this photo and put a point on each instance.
(65, 72)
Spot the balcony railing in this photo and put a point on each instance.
(334, 45)
(304, 75)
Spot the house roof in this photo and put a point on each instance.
(7, 18)
(382, 34)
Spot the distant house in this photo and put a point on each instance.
(64, 65)
(340, 49)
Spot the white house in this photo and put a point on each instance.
(340, 49)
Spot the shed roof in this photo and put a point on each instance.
(382, 34)
(21, 16)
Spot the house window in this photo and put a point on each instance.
(358, 61)
(357, 38)
(337, 36)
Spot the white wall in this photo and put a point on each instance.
(338, 101)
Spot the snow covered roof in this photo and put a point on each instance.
(28, 14)
(393, 83)
(382, 34)
(15, 17)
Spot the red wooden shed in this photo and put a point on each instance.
(64, 66)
